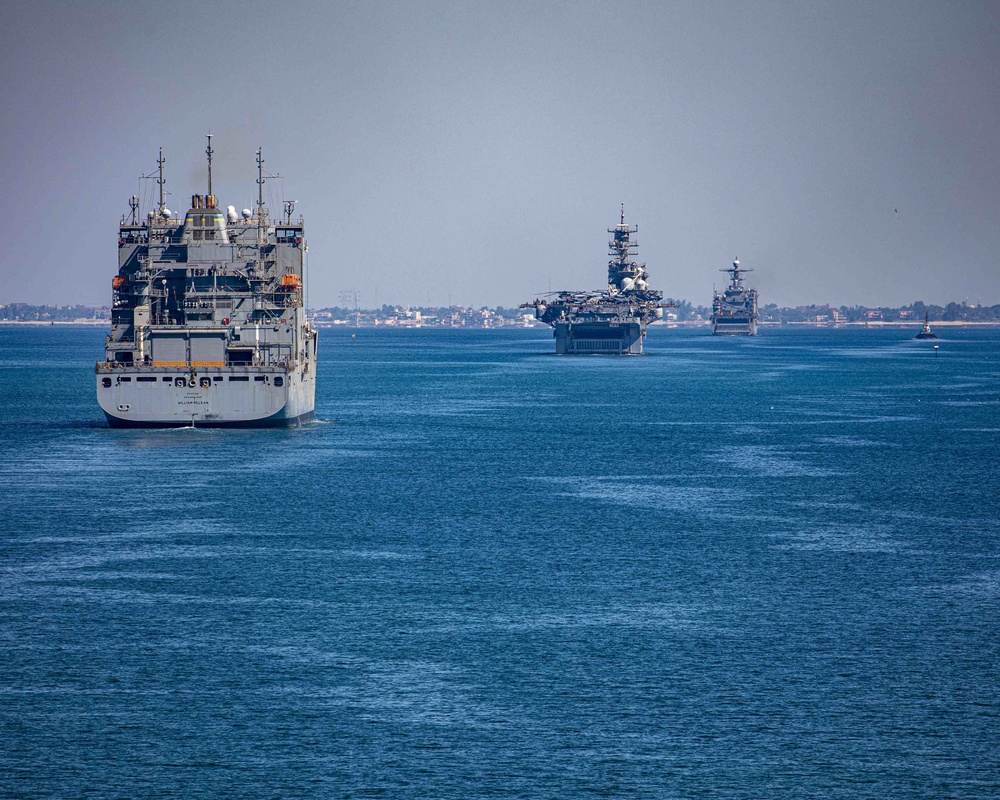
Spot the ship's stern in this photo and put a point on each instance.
(248, 397)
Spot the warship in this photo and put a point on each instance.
(208, 323)
(613, 320)
(734, 311)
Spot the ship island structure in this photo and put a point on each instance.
(613, 320)
(734, 310)
(208, 323)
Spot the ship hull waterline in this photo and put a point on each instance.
(598, 338)
(734, 328)
(275, 421)
(234, 398)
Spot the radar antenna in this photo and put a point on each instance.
(289, 208)
(736, 273)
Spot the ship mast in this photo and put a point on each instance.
(208, 152)
(260, 189)
(621, 245)
(736, 271)
(160, 182)
(623, 274)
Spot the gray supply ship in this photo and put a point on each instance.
(609, 321)
(734, 311)
(208, 324)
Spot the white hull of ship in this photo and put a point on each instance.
(227, 397)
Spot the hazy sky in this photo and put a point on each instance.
(477, 152)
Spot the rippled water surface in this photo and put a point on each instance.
(731, 568)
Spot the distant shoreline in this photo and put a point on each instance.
(95, 323)
(958, 323)
(686, 324)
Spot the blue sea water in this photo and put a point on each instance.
(732, 568)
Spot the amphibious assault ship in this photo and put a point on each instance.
(208, 323)
(734, 311)
(609, 321)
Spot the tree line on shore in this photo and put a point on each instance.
(952, 312)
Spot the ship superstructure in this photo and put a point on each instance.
(734, 311)
(208, 325)
(613, 320)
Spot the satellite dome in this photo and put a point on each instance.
(246, 213)
(150, 215)
(168, 213)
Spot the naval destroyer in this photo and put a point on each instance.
(734, 311)
(613, 320)
(208, 323)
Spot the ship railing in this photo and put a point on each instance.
(173, 369)
(207, 295)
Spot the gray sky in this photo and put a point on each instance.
(477, 152)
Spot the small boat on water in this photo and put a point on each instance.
(926, 332)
